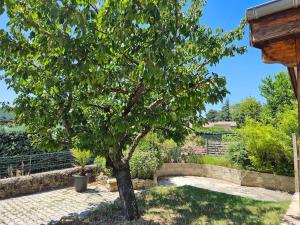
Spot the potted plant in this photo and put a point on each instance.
(81, 158)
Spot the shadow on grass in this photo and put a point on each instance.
(192, 205)
(186, 205)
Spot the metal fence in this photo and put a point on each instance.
(28, 164)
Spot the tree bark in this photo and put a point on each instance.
(126, 192)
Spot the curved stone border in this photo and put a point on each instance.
(241, 177)
(34, 183)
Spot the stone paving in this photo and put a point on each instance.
(49, 207)
(292, 216)
(226, 187)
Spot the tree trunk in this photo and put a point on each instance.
(128, 201)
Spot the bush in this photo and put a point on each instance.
(193, 145)
(16, 143)
(143, 164)
(170, 152)
(211, 160)
(100, 163)
(236, 151)
(266, 147)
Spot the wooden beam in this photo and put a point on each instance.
(275, 27)
(286, 52)
(298, 142)
(296, 158)
(292, 73)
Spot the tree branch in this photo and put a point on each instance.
(136, 141)
(155, 104)
(134, 98)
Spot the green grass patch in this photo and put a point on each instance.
(212, 160)
(192, 206)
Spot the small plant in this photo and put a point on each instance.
(81, 157)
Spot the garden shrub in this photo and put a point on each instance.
(193, 145)
(14, 142)
(147, 157)
(170, 152)
(237, 152)
(267, 148)
(143, 164)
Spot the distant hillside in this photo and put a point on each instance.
(6, 115)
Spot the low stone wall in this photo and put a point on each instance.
(269, 181)
(240, 177)
(22, 185)
(137, 184)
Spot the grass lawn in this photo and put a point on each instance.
(189, 205)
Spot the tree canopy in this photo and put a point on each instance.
(277, 91)
(102, 74)
(247, 108)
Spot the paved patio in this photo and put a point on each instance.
(49, 207)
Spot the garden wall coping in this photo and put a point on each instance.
(240, 177)
(16, 186)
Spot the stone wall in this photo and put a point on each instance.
(266, 180)
(244, 178)
(137, 184)
(16, 186)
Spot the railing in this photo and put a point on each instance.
(28, 164)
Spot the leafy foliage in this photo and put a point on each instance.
(287, 120)
(13, 142)
(248, 108)
(87, 87)
(100, 163)
(212, 115)
(277, 91)
(170, 152)
(101, 75)
(263, 148)
(225, 114)
(193, 145)
(222, 115)
(151, 152)
(82, 158)
(237, 152)
(143, 164)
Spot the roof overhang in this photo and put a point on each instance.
(275, 29)
(271, 8)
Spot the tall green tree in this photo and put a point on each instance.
(212, 115)
(278, 92)
(247, 108)
(102, 74)
(225, 113)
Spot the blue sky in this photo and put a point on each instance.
(243, 73)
